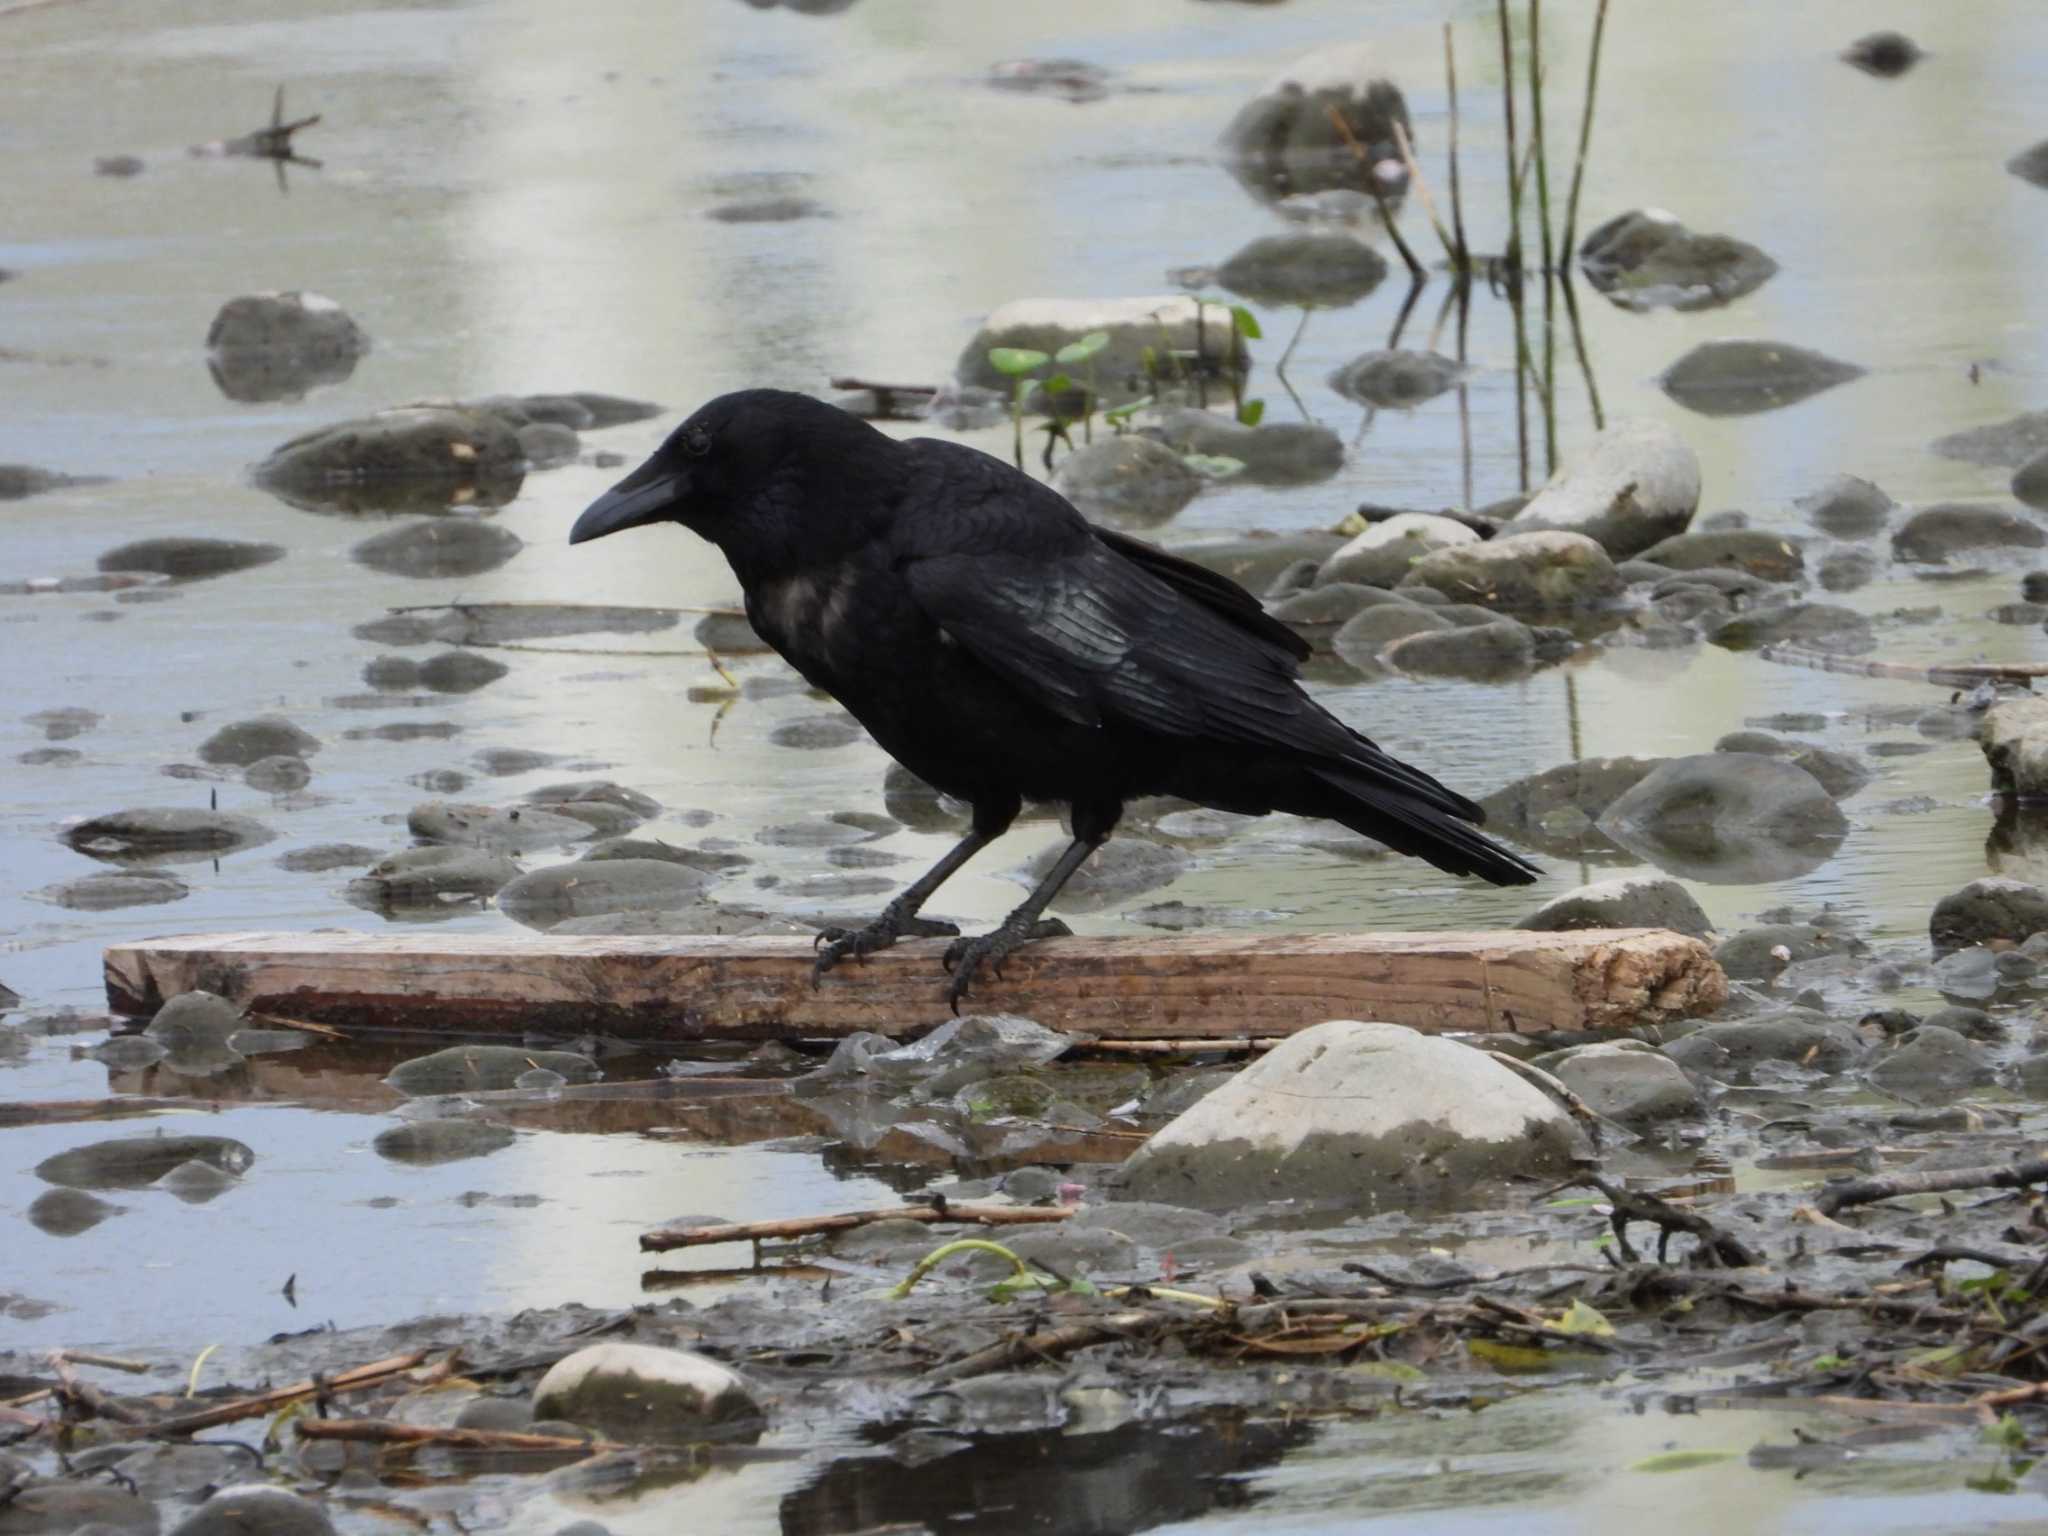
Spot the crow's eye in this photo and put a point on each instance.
(696, 442)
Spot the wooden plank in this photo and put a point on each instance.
(1189, 986)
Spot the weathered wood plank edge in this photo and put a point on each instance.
(1189, 986)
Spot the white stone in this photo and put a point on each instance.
(1372, 1113)
(642, 1391)
(1637, 483)
(1547, 570)
(1381, 554)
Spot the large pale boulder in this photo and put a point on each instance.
(1637, 483)
(2014, 736)
(1381, 555)
(645, 1394)
(1373, 1114)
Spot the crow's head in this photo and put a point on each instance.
(741, 457)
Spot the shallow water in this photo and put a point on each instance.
(514, 199)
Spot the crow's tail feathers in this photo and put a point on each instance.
(1410, 812)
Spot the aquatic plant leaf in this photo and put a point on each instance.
(1682, 1461)
(1251, 413)
(1578, 1318)
(1080, 351)
(1213, 466)
(1016, 360)
(1246, 322)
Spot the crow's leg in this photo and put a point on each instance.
(966, 956)
(899, 919)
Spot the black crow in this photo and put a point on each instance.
(1003, 649)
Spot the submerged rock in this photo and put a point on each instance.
(189, 559)
(2014, 736)
(643, 1394)
(1313, 269)
(147, 831)
(1935, 533)
(1171, 322)
(1637, 484)
(1752, 551)
(1283, 142)
(277, 775)
(423, 455)
(439, 547)
(1628, 1082)
(1809, 626)
(1931, 1065)
(256, 1509)
(1370, 1114)
(113, 889)
(1381, 554)
(136, 1162)
(1483, 653)
(1988, 909)
(89, 1509)
(543, 897)
(1848, 508)
(2031, 165)
(1759, 954)
(2030, 482)
(68, 1212)
(1396, 380)
(1739, 378)
(1797, 1035)
(1272, 453)
(1886, 55)
(248, 741)
(2001, 445)
(1728, 818)
(1646, 259)
(1523, 572)
(276, 346)
(516, 829)
(1120, 868)
(1556, 811)
(1634, 901)
(1128, 479)
(483, 1068)
(429, 1143)
(415, 876)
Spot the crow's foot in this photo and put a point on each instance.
(965, 957)
(835, 944)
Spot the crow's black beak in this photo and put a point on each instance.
(642, 497)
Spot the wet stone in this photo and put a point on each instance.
(256, 1509)
(1849, 570)
(1636, 484)
(1128, 479)
(1206, 339)
(460, 672)
(1646, 259)
(817, 733)
(1285, 143)
(1634, 901)
(1633, 1084)
(1934, 534)
(2031, 165)
(112, 890)
(189, 559)
(277, 775)
(767, 210)
(61, 1509)
(197, 1182)
(1382, 553)
(1484, 653)
(49, 757)
(1988, 909)
(483, 1068)
(1728, 817)
(1887, 55)
(1809, 626)
(544, 897)
(638, 1392)
(1848, 508)
(1121, 868)
(1758, 954)
(1525, 572)
(68, 1212)
(439, 547)
(1931, 1065)
(194, 1022)
(440, 781)
(129, 1053)
(146, 831)
(595, 791)
(1555, 811)
(602, 817)
(1748, 551)
(1740, 378)
(504, 762)
(710, 860)
(1795, 1035)
(1370, 1114)
(136, 1162)
(548, 444)
(429, 1143)
(1272, 453)
(2000, 445)
(424, 875)
(513, 829)
(2030, 482)
(446, 445)
(1323, 270)
(1398, 379)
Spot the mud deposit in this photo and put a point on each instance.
(302, 697)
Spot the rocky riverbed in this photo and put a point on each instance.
(295, 642)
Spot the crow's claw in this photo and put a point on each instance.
(835, 944)
(965, 957)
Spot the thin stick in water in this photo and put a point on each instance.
(1513, 259)
(1571, 206)
(1379, 200)
(1536, 146)
(1463, 258)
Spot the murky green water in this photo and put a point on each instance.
(514, 199)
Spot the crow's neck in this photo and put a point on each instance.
(812, 516)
